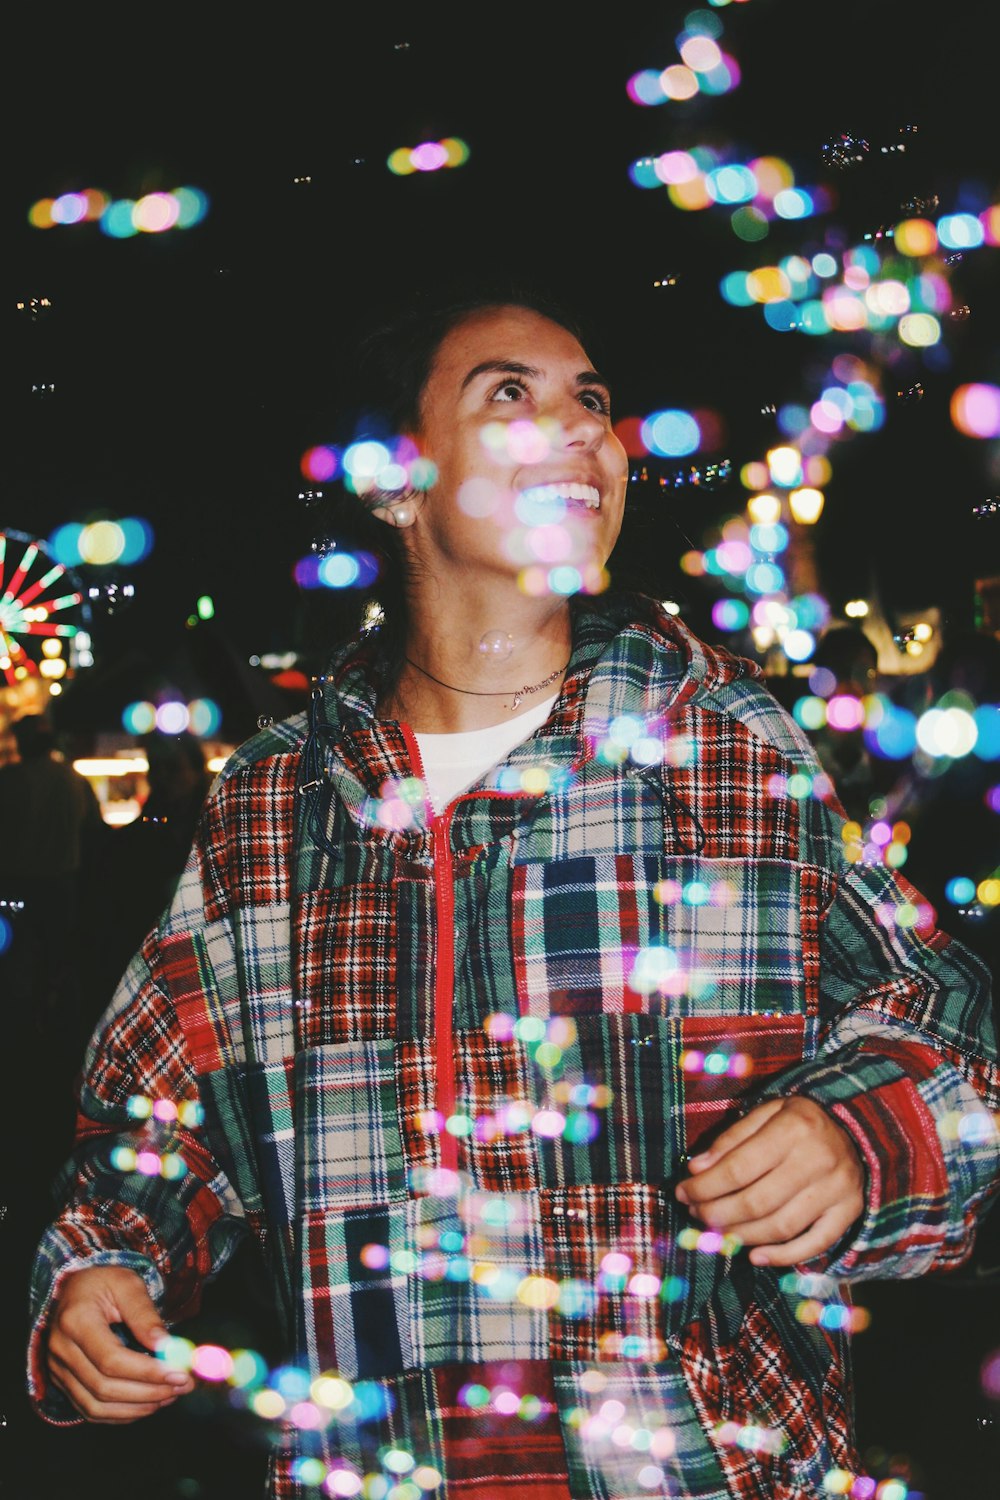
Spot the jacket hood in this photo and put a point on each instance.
(630, 658)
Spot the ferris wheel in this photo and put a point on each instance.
(40, 599)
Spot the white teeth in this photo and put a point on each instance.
(585, 493)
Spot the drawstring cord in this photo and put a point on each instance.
(675, 807)
(321, 738)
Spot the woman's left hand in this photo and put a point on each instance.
(786, 1179)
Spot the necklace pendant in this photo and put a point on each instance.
(516, 701)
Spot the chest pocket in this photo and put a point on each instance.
(667, 935)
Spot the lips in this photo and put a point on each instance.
(569, 492)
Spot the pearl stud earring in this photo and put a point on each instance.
(400, 512)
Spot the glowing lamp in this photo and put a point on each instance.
(764, 509)
(806, 505)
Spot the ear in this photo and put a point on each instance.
(401, 512)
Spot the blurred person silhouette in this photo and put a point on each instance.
(51, 823)
(50, 831)
(845, 665)
(952, 802)
(179, 781)
(142, 861)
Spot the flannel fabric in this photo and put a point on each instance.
(639, 925)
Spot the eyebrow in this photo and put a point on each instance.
(513, 367)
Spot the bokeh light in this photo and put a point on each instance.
(102, 542)
(122, 218)
(975, 410)
(428, 156)
(671, 433)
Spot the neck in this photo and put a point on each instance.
(486, 652)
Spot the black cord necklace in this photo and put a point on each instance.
(521, 692)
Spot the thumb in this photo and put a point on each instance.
(139, 1313)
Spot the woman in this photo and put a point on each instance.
(542, 1033)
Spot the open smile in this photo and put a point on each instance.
(570, 493)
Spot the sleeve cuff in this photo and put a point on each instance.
(906, 1219)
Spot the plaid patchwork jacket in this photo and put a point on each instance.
(639, 925)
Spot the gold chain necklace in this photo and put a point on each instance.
(522, 692)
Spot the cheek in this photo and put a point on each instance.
(481, 498)
(619, 491)
(615, 459)
(614, 446)
(613, 520)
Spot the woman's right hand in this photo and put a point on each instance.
(104, 1379)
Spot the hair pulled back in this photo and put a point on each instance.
(388, 377)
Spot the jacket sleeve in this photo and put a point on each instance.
(906, 1062)
(142, 1188)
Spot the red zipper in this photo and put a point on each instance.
(444, 978)
(444, 975)
(444, 983)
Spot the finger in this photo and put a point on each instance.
(798, 1138)
(820, 1236)
(793, 1218)
(96, 1409)
(793, 1175)
(114, 1388)
(740, 1131)
(813, 1236)
(84, 1324)
(747, 1162)
(95, 1354)
(762, 1199)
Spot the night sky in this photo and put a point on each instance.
(191, 369)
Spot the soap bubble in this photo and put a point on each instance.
(496, 645)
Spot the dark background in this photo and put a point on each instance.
(191, 370)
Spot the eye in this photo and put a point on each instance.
(509, 390)
(596, 400)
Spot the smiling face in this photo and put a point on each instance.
(518, 425)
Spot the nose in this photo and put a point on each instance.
(579, 427)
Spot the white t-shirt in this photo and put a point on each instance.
(453, 762)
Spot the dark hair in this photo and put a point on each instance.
(34, 737)
(389, 375)
(847, 651)
(396, 354)
(174, 749)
